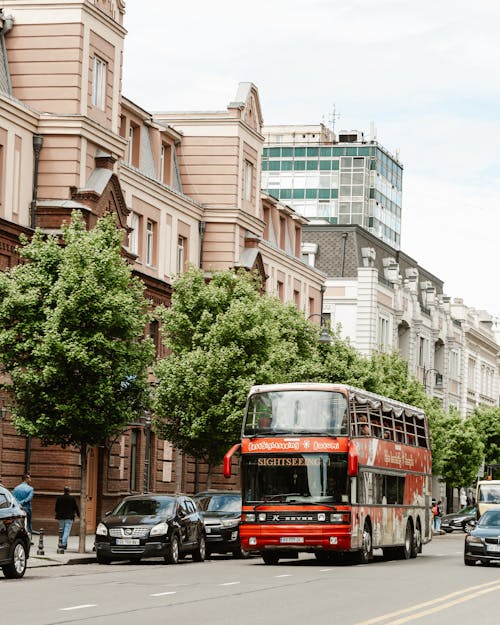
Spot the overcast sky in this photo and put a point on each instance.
(427, 74)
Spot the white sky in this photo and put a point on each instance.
(426, 73)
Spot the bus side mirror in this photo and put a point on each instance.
(352, 460)
(227, 459)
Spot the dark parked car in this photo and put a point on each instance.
(14, 538)
(146, 526)
(458, 520)
(221, 512)
(483, 540)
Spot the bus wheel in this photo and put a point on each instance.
(270, 557)
(365, 554)
(404, 552)
(416, 546)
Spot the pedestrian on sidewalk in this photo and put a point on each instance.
(66, 510)
(437, 512)
(24, 492)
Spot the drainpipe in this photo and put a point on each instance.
(344, 237)
(202, 225)
(37, 146)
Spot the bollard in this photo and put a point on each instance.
(60, 548)
(40, 551)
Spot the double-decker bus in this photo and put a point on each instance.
(332, 470)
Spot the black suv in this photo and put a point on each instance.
(14, 538)
(221, 512)
(151, 526)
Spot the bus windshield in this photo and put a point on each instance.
(294, 412)
(489, 493)
(314, 478)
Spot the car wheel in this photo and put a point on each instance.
(469, 561)
(270, 557)
(172, 555)
(199, 554)
(448, 531)
(103, 559)
(241, 554)
(17, 567)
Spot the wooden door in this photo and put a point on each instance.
(92, 471)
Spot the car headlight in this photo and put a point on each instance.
(161, 529)
(101, 530)
(474, 539)
(230, 522)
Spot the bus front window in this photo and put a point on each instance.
(292, 478)
(282, 412)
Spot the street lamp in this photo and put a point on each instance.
(324, 337)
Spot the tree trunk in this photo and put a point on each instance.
(209, 476)
(83, 500)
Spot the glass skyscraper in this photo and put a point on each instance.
(342, 179)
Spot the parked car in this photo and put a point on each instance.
(483, 539)
(146, 526)
(458, 520)
(221, 512)
(14, 537)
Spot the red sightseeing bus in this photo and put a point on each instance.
(333, 470)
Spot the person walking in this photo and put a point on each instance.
(23, 493)
(66, 509)
(437, 511)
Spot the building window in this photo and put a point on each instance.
(384, 342)
(150, 243)
(165, 163)
(471, 375)
(134, 459)
(134, 234)
(454, 368)
(281, 291)
(181, 254)
(99, 83)
(247, 181)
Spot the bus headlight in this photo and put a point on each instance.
(262, 516)
(249, 517)
(321, 516)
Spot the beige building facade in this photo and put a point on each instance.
(185, 188)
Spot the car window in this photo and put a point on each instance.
(222, 503)
(145, 507)
(490, 518)
(4, 502)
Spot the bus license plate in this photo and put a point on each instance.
(495, 548)
(291, 539)
(128, 541)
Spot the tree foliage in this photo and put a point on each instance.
(71, 328)
(224, 336)
(486, 420)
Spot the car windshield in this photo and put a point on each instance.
(491, 518)
(145, 507)
(219, 503)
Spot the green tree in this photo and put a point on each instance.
(224, 336)
(463, 453)
(486, 420)
(72, 322)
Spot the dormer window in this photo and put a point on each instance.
(99, 83)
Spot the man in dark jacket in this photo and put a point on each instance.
(66, 509)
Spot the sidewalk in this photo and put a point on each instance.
(70, 555)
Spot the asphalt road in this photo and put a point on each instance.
(436, 588)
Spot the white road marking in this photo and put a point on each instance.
(79, 607)
(162, 594)
(324, 570)
(229, 584)
(287, 575)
